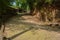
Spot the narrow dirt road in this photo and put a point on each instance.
(17, 29)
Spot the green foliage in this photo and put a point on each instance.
(49, 1)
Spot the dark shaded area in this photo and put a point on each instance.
(8, 13)
(58, 14)
(56, 4)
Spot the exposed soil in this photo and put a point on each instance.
(18, 29)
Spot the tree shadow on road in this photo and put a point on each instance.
(10, 38)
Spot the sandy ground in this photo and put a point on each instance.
(18, 30)
(23, 32)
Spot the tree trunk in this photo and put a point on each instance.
(46, 17)
(2, 32)
(36, 13)
(46, 12)
(53, 13)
